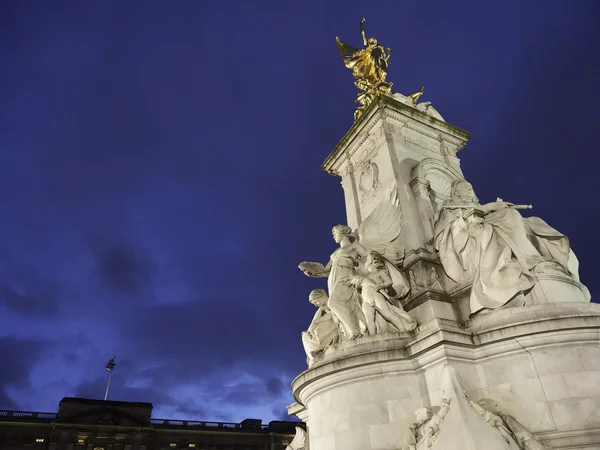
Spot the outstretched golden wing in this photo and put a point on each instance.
(348, 53)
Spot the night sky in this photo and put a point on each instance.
(160, 176)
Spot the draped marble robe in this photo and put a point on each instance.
(322, 333)
(500, 251)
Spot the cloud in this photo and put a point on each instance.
(196, 338)
(121, 267)
(30, 296)
(25, 289)
(231, 394)
(18, 357)
(96, 388)
(228, 395)
(280, 413)
(215, 358)
(192, 412)
(274, 386)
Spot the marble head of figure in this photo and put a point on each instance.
(318, 297)
(375, 259)
(342, 231)
(463, 191)
(423, 415)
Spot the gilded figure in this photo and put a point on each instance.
(369, 66)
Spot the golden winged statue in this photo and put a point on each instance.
(369, 67)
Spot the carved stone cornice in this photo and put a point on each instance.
(386, 109)
(420, 254)
(353, 139)
(372, 141)
(435, 295)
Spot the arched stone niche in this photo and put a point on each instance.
(431, 183)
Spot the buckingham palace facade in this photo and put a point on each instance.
(86, 424)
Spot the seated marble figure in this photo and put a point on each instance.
(323, 331)
(496, 248)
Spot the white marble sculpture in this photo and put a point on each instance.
(418, 431)
(496, 248)
(345, 270)
(299, 441)
(426, 429)
(343, 299)
(323, 330)
(381, 288)
(497, 424)
(423, 106)
(525, 439)
(463, 425)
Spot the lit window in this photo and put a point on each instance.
(80, 441)
(39, 440)
(191, 445)
(173, 444)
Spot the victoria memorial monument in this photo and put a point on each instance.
(448, 322)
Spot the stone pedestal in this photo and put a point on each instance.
(394, 144)
(538, 363)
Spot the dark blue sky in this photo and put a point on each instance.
(160, 175)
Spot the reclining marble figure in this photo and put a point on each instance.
(460, 424)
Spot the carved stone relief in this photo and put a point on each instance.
(463, 424)
(423, 276)
(414, 138)
(346, 170)
(368, 182)
(445, 148)
(422, 141)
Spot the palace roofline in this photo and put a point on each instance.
(29, 418)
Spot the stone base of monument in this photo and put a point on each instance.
(539, 364)
(557, 286)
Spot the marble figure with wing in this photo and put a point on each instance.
(364, 282)
(380, 282)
